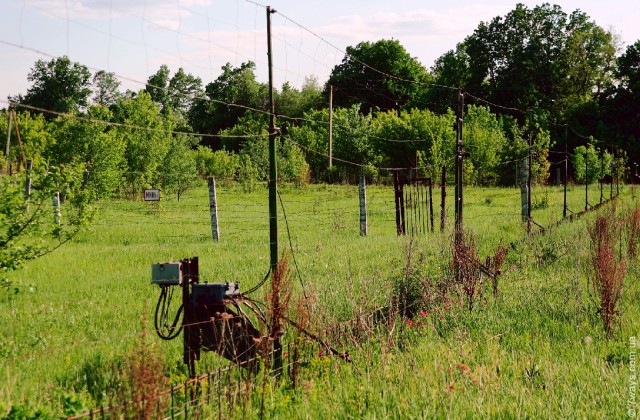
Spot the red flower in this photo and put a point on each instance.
(320, 352)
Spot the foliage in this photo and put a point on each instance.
(100, 151)
(237, 86)
(400, 137)
(220, 164)
(599, 164)
(106, 88)
(178, 172)
(29, 228)
(145, 134)
(379, 75)
(485, 139)
(58, 85)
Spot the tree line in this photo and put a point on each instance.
(578, 87)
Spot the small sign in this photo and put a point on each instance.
(152, 195)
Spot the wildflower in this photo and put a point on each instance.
(484, 303)
(320, 352)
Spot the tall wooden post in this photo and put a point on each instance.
(57, 215)
(363, 205)
(530, 171)
(8, 146)
(459, 161)
(586, 180)
(273, 182)
(27, 187)
(431, 203)
(443, 195)
(524, 190)
(213, 208)
(330, 126)
(566, 172)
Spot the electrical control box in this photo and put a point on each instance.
(166, 274)
(213, 292)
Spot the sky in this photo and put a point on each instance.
(133, 38)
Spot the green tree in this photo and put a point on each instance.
(178, 172)
(402, 138)
(534, 57)
(485, 140)
(99, 150)
(352, 133)
(379, 75)
(105, 88)
(146, 136)
(34, 133)
(58, 85)
(27, 228)
(227, 99)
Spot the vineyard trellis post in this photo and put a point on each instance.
(530, 170)
(27, 187)
(566, 172)
(443, 195)
(362, 189)
(459, 163)
(273, 179)
(213, 208)
(524, 190)
(586, 179)
(8, 146)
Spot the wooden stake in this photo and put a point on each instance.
(213, 208)
(363, 206)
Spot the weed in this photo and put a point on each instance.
(633, 232)
(144, 382)
(466, 266)
(608, 271)
(410, 291)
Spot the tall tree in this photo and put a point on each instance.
(105, 88)
(379, 75)
(533, 57)
(228, 98)
(58, 85)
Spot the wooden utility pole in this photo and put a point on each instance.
(459, 161)
(330, 126)
(7, 149)
(273, 183)
(530, 171)
(566, 172)
(443, 195)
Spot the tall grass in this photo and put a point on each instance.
(523, 354)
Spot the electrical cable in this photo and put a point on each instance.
(164, 303)
(293, 254)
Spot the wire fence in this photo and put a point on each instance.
(322, 216)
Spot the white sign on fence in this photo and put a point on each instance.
(152, 195)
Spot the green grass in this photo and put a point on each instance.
(81, 310)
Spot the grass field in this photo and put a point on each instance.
(70, 319)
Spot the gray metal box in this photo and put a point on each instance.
(213, 292)
(166, 273)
